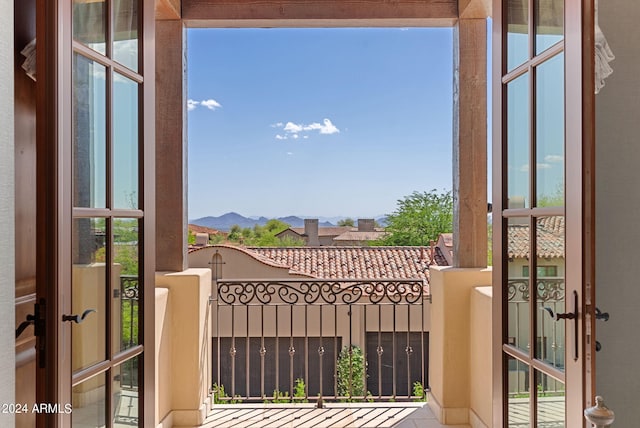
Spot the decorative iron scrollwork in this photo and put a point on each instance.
(547, 289)
(311, 292)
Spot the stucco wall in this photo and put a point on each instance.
(617, 208)
(7, 255)
(480, 366)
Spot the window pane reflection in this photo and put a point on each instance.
(125, 44)
(125, 143)
(125, 394)
(518, 142)
(550, 132)
(549, 23)
(89, 403)
(518, 289)
(89, 118)
(550, 290)
(551, 401)
(517, 33)
(126, 280)
(90, 23)
(88, 291)
(518, 394)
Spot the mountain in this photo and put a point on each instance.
(225, 221)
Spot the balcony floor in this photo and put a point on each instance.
(334, 415)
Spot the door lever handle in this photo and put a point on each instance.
(31, 320)
(569, 316)
(557, 316)
(77, 318)
(604, 316)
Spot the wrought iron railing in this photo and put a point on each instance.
(129, 306)
(302, 339)
(550, 293)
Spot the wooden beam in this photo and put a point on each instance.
(470, 9)
(316, 13)
(168, 9)
(470, 144)
(171, 148)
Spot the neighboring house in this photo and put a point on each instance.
(204, 234)
(314, 236)
(301, 283)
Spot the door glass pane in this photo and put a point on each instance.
(88, 400)
(517, 285)
(549, 23)
(517, 33)
(89, 121)
(88, 291)
(551, 401)
(125, 143)
(550, 290)
(519, 409)
(125, 40)
(550, 132)
(125, 394)
(126, 281)
(90, 23)
(518, 142)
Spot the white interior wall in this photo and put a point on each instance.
(7, 254)
(617, 215)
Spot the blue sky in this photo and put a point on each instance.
(317, 122)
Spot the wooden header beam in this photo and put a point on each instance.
(319, 13)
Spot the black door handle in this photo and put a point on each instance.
(569, 316)
(31, 320)
(78, 318)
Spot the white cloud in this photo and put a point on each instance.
(525, 167)
(329, 128)
(554, 158)
(281, 137)
(192, 104)
(290, 153)
(211, 104)
(294, 129)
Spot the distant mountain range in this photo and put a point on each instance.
(225, 221)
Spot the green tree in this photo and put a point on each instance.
(347, 222)
(351, 372)
(419, 218)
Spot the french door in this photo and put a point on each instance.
(543, 223)
(95, 205)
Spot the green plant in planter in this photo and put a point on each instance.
(351, 372)
(419, 392)
(299, 391)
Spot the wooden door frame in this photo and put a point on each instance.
(580, 235)
(54, 206)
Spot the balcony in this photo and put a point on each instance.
(209, 334)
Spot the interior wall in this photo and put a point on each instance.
(7, 258)
(617, 210)
(24, 185)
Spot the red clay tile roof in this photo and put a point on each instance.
(352, 262)
(355, 235)
(550, 238)
(323, 230)
(202, 229)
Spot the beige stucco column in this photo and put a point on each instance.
(171, 147)
(459, 360)
(183, 335)
(470, 143)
